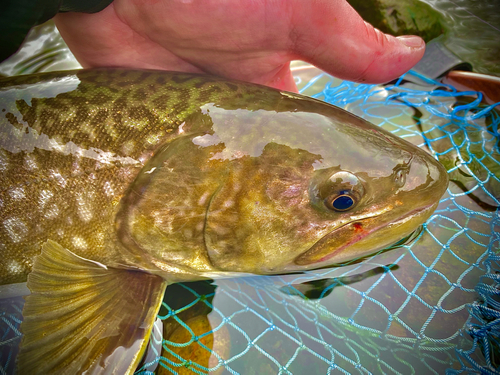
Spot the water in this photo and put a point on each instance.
(401, 311)
(473, 31)
(44, 50)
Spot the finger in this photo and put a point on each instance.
(282, 80)
(285, 83)
(333, 36)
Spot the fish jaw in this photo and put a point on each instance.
(360, 238)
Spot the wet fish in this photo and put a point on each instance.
(116, 183)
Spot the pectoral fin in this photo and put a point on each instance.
(84, 317)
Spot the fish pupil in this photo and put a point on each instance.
(342, 203)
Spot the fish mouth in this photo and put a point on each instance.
(362, 237)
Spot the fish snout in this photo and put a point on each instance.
(426, 180)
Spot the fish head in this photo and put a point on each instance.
(285, 184)
(369, 211)
(323, 187)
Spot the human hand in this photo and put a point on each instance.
(249, 40)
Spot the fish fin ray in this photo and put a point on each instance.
(83, 317)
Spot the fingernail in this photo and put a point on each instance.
(412, 41)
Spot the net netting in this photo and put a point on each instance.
(430, 304)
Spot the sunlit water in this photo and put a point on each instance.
(401, 311)
(473, 31)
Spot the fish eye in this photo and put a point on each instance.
(342, 202)
(338, 191)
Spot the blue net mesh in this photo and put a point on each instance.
(431, 304)
(10, 337)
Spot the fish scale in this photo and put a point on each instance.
(103, 114)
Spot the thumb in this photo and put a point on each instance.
(332, 36)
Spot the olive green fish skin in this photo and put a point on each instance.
(186, 176)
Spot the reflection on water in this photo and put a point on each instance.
(322, 288)
(43, 50)
(472, 31)
(402, 311)
(191, 331)
(470, 154)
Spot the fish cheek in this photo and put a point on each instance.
(229, 229)
(261, 218)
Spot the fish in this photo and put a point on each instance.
(116, 183)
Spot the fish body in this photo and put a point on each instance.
(147, 178)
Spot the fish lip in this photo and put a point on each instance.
(359, 237)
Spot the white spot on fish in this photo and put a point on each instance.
(45, 195)
(51, 212)
(203, 199)
(3, 163)
(221, 231)
(84, 210)
(151, 170)
(30, 162)
(128, 147)
(108, 189)
(79, 243)
(15, 228)
(57, 176)
(228, 203)
(14, 267)
(153, 139)
(17, 193)
(76, 170)
(293, 191)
